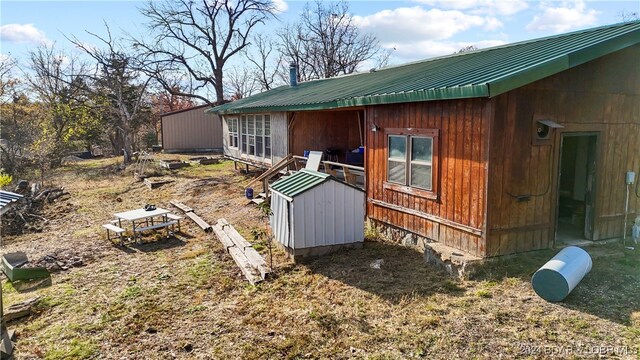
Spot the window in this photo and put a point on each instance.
(412, 160)
(255, 135)
(232, 125)
(244, 134)
(259, 136)
(267, 136)
(251, 135)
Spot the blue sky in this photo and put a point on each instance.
(416, 29)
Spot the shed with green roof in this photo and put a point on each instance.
(313, 213)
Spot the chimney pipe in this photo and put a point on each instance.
(293, 74)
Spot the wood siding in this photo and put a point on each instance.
(601, 96)
(319, 130)
(279, 144)
(457, 217)
(191, 130)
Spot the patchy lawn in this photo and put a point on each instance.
(185, 298)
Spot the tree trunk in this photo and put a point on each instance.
(219, 86)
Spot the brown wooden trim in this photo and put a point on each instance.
(449, 223)
(520, 228)
(613, 216)
(423, 193)
(412, 131)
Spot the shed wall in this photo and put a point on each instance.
(280, 219)
(457, 217)
(191, 130)
(600, 96)
(329, 214)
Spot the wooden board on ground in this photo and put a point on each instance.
(234, 235)
(180, 206)
(247, 269)
(203, 224)
(224, 239)
(257, 261)
(242, 251)
(173, 164)
(152, 184)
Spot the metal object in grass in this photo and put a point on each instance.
(560, 275)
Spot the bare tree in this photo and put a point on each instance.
(326, 42)
(267, 61)
(625, 15)
(120, 81)
(240, 83)
(199, 37)
(466, 49)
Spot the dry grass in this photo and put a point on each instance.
(185, 298)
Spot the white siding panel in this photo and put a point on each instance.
(280, 219)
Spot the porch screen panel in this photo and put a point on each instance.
(396, 169)
(251, 131)
(243, 128)
(267, 136)
(259, 136)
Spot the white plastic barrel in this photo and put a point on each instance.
(555, 279)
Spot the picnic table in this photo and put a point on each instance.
(142, 220)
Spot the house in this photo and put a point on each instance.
(191, 130)
(490, 152)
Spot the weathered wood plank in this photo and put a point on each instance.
(249, 272)
(180, 206)
(223, 237)
(198, 220)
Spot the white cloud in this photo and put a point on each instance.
(419, 50)
(566, 16)
(280, 6)
(22, 33)
(416, 23)
(488, 7)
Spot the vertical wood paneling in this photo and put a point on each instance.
(461, 167)
(601, 96)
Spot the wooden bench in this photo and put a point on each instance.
(176, 218)
(156, 226)
(115, 229)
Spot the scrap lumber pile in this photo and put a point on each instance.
(26, 215)
(246, 257)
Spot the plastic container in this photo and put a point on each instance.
(361, 150)
(560, 275)
(248, 192)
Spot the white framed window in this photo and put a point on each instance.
(255, 135)
(412, 161)
(232, 126)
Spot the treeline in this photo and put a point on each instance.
(194, 51)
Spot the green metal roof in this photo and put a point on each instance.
(299, 182)
(482, 73)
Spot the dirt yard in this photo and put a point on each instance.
(185, 298)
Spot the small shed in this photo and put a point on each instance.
(191, 130)
(315, 213)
